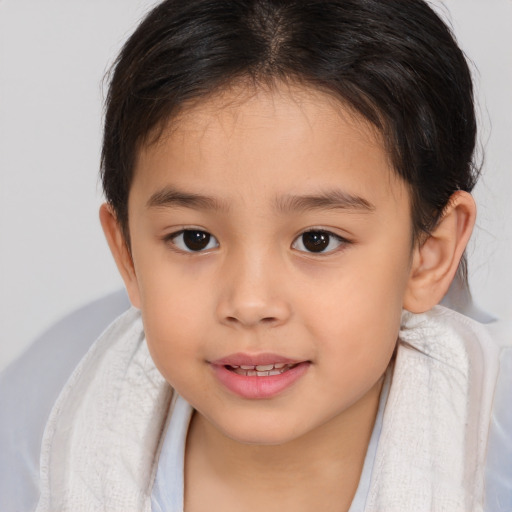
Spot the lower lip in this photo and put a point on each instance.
(259, 387)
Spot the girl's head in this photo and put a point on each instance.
(395, 63)
(283, 178)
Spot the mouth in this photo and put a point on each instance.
(260, 370)
(258, 377)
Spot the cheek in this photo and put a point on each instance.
(366, 290)
(359, 345)
(355, 350)
(356, 322)
(174, 311)
(173, 340)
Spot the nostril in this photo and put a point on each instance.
(250, 313)
(264, 320)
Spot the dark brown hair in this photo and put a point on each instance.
(394, 62)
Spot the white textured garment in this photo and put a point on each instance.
(101, 444)
(101, 441)
(432, 449)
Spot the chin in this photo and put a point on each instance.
(261, 434)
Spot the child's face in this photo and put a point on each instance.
(297, 250)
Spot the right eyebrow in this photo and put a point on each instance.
(169, 197)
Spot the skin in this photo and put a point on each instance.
(255, 288)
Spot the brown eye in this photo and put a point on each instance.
(194, 240)
(318, 242)
(315, 241)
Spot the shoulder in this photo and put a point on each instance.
(29, 388)
(491, 345)
(452, 338)
(499, 450)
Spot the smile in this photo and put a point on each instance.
(263, 370)
(258, 377)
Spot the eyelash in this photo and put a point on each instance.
(321, 237)
(171, 239)
(341, 242)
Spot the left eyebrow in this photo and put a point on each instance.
(331, 200)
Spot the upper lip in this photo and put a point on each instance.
(253, 360)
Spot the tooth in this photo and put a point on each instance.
(277, 366)
(264, 367)
(274, 372)
(234, 366)
(262, 374)
(246, 367)
(251, 373)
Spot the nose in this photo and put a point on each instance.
(253, 294)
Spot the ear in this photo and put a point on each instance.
(436, 259)
(120, 251)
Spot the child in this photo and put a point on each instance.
(288, 194)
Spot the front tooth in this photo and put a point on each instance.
(264, 367)
(251, 373)
(262, 374)
(246, 367)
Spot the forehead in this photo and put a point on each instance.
(290, 109)
(244, 138)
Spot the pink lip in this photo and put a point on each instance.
(257, 387)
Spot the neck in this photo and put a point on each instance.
(325, 462)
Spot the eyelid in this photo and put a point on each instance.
(171, 237)
(342, 242)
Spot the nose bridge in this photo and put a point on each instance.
(251, 294)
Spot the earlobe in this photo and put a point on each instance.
(117, 243)
(436, 259)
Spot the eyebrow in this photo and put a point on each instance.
(170, 197)
(331, 200)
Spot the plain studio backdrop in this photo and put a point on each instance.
(53, 56)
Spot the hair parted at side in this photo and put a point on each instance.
(394, 62)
